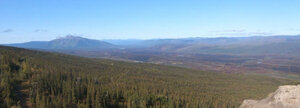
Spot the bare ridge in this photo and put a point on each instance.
(287, 96)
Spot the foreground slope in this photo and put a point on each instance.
(40, 79)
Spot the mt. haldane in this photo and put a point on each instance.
(66, 43)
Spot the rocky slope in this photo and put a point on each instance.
(284, 97)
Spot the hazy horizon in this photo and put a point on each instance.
(147, 39)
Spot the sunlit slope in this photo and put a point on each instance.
(58, 80)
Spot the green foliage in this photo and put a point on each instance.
(62, 81)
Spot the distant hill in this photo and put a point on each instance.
(281, 45)
(256, 45)
(67, 43)
(234, 45)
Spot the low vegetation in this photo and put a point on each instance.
(51, 80)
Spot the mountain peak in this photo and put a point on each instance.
(70, 37)
(78, 43)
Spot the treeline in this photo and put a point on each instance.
(51, 80)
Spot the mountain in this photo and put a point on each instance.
(287, 96)
(67, 43)
(41, 79)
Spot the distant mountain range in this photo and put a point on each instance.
(256, 45)
(268, 45)
(233, 45)
(66, 43)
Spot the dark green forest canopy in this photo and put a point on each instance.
(42, 79)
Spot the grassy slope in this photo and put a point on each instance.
(190, 85)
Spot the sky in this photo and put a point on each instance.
(42, 20)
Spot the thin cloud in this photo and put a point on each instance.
(245, 34)
(294, 29)
(7, 31)
(230, 31)
(261, 33)
(40, 30)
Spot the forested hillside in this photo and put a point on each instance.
(51, 80)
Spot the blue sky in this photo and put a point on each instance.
(32, 20)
